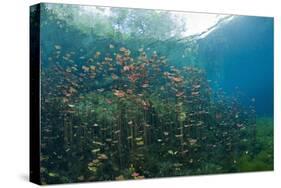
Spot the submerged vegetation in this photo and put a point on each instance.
(118, 107)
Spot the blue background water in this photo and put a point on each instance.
(240, 54)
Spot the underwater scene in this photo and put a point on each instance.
(137, 94)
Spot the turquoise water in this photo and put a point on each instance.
(126, 94)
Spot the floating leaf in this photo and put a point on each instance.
(196, 86)
(192, 141)
(140, 50)
(119, 93)
(177, 79)
(52, 174)
(95, 150)
(178, 94)
(102, 157)
(195, 93)
(145, 85)
(93, 68)
(98, 143)
(85, 68)
(140, 143)
(171, 152)
(135, 174)
(179, 135)
(138, 138)
(97, 54)
(57, 47)
(92, 168)
(71, 105)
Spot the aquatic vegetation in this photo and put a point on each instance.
(150, 112)
(115, 110)
(262, 158)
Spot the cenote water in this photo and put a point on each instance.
(137, 94)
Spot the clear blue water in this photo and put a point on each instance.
(122, 98)
(244, 59)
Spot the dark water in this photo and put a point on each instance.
(127, 96)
